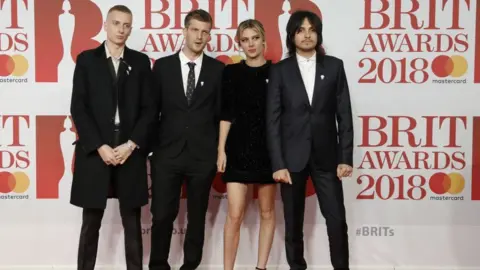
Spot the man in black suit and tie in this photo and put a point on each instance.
(187, 85)
(308, 92)
(113, 113)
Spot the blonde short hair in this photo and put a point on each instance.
(120, 8)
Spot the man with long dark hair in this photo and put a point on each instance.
(307, 94)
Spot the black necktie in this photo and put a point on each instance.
(112, 69)
(114, 85)
(190, 81)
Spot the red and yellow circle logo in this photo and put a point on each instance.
(455, 66)
(452, 183)
(229, 59)
(15, 65)
(17, 182)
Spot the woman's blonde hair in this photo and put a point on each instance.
(250, 24)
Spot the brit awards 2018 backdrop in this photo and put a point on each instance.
(413, 67)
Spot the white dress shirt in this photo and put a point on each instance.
(116, 64)
(185, 68)
(308, 68)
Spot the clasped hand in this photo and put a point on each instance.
(115, 156)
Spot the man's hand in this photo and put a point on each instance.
(107, 154)
(122, 152)
(282, 176)
(221, 161)
(344, 170)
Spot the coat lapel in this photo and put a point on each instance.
(104, 69)
(298, 78)
(178, 80)
(124, 72)
(105, 75)
(201, 78)
(319, 80)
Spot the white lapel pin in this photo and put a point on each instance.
(321, 76)
(266, 80)
(201, 83)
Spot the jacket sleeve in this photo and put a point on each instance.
(146, 121)
(273, 119)
(88, 133)
(344, 118)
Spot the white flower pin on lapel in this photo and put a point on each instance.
(266, 80)
(321, 76)
(201, 83)
(129, 68)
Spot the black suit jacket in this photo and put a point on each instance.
(93, 106)
(296, 129)
(179, 123)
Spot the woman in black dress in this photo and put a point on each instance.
(242, 150)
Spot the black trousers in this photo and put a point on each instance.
(168, 176)
(91, 223)
(330, 197)
(92, 220)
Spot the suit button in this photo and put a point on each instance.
(186, 127)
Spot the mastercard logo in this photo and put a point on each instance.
(229, 59)
(452, 183)
(17, 182)
(13, 65)
(454, 66)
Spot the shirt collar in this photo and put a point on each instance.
(302, 59)
(107, 52)
(184, 60)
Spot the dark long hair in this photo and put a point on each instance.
(294, 24)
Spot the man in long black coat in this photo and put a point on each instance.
(113, 113)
